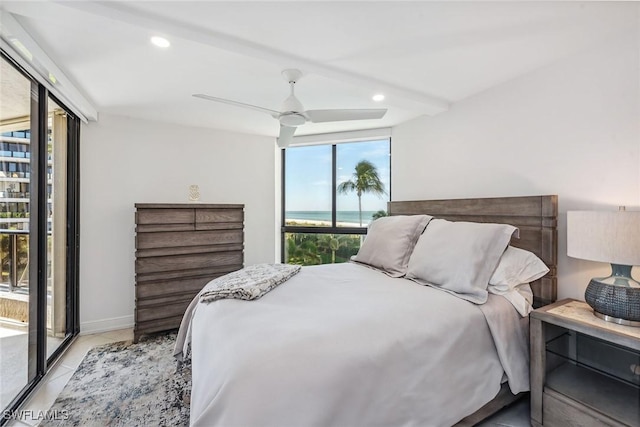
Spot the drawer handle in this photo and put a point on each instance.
(635, 369)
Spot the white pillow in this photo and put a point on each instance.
(390, 241)
(521, 297)
(516, 266)
(459, 257)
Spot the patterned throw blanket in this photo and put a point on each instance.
(249, 283)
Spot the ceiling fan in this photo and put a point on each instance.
(293, 114)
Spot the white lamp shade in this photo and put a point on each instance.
(612, 237)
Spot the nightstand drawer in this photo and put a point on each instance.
(560, 411)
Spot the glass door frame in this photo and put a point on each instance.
(38, 362)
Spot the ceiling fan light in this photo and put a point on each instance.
(292, 120)
(160, 41)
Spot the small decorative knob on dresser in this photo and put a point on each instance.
(179, 248)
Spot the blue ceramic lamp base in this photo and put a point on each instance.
(615, 298)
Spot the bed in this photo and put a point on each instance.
(348, 345)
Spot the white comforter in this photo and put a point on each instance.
(344, 345)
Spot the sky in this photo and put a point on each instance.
(308, 175)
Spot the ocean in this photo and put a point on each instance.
(341, 216)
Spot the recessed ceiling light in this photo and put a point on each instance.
(378, 97)
(22, 48)
(160, 41)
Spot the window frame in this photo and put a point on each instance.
(333, 229)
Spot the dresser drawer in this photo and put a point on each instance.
(216, 219)
(561, 411)
(157, 325)
(165, 310)
(186, 262)
(159, 288)
(152, 220)
(178, 239)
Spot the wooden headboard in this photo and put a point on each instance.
(535, 216)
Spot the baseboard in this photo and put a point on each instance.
(105, 325)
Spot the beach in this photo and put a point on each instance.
(320, 223)
(344, 218)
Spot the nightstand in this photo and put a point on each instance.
(584, 371)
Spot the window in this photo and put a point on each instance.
(330, 195)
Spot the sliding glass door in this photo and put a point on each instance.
(38, 232)
(15, 184)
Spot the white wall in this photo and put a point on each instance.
(571, 129)
(126, 161)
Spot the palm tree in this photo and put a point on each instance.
(304, 252)
(379, 214)
(364, 180)
(332, 243)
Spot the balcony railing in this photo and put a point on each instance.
(14, 250)
(14, 195)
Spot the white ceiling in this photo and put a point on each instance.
(424, 56)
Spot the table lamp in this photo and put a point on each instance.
(612, 237)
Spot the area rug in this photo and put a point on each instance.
(126, 384)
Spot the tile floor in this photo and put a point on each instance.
(14, 344)
(57, 378)
(516, 415)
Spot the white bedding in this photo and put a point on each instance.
(345, 345)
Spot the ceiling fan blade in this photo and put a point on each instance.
(286, 136)
(319, 116)
(238, 104)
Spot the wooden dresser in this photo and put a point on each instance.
(179, 248)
